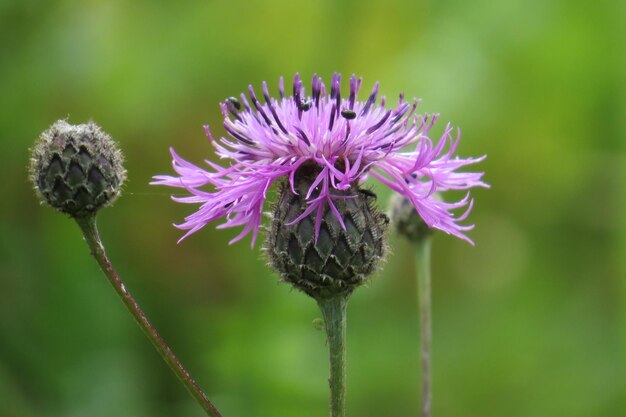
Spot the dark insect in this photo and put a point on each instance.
(234, 102)
(304, 106)
(348, 114)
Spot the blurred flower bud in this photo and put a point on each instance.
(405, 220)
(77, 169)
(338, 259)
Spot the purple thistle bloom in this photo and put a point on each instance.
(345, 138)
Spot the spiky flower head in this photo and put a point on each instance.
(322, 146)
(77, 169)
(346, 139)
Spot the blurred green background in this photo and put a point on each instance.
(529, 322)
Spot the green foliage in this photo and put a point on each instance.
(530, 322)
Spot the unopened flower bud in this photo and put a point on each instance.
(77, 169)
(339, 260)
(405, 220)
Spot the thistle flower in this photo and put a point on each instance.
(326, 235)
(340, 141)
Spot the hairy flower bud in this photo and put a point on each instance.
(405, 220)
(77, 169)
(339, 260)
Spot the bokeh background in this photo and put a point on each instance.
(529, 322)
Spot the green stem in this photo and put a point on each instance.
(334, 313)
(422, 257)
(90, 232)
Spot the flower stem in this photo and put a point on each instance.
(422, 258)
(334, 313)
(90, 232)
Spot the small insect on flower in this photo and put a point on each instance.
(348, 114)
(331, 143)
